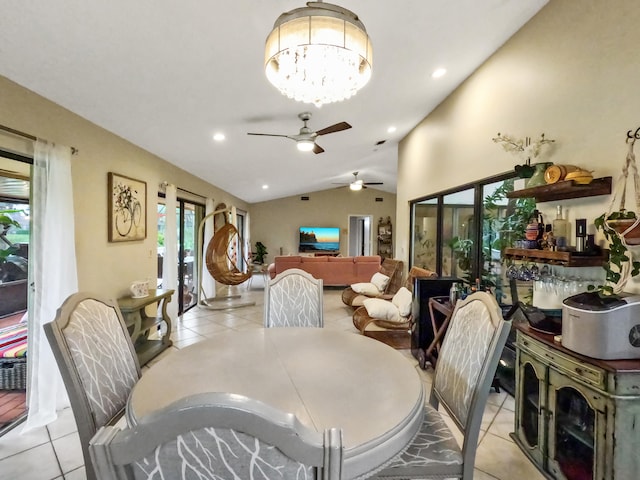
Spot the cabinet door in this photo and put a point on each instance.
(577, 428)
(531, 394)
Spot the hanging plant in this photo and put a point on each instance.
(621, 227)
(621, 265)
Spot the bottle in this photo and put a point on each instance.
(561, 229)
(454, 293)
(534, 230)
(581, 234)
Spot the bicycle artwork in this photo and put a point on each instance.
(127, 208)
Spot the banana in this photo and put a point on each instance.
(580, 176)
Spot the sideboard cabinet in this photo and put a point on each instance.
(576, 418)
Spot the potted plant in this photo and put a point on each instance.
(621, 265)
(622, 227)
(260, 253)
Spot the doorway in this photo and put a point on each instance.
(14, 256)
(189, 214)
(360, 235)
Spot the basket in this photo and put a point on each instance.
(631, 237)
(13, 358)
(13, 373)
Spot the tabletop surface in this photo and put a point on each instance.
(128, 304)
(326, 378)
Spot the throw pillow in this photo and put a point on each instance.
(368, 289)
(402, 300)
(382, 309)
(380, 280)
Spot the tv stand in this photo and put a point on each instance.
(326, 254)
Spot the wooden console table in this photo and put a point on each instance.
(140, 324)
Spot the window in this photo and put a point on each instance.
(14, 237)
(462, 232)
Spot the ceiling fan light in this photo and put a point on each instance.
(305, 145)
(355, 186)
(318, 54)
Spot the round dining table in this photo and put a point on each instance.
(327, 378)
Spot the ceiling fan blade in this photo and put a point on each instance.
(338, 127)
(317, 148)
(373, 183)
(268, 135)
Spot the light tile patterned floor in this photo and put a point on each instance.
(54, 452)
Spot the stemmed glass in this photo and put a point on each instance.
(512, 272)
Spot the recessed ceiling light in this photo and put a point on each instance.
(218, 137)
(439, 72)
(264, 187)
(391, 129)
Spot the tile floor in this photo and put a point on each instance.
(54, 452)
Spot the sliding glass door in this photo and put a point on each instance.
(189, 214)
(463, 231)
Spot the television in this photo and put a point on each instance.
(319, 239)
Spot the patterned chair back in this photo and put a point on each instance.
(468, 358)
(214, 436)
(463, 374)
(293, 299)
(97, 361)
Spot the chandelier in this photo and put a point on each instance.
(318, 54)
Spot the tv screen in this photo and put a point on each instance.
(319, 239)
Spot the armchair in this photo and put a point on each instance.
(390, 268)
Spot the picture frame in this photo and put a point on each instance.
(127, 208)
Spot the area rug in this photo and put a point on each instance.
(394, 338)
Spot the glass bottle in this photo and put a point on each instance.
(561, 229)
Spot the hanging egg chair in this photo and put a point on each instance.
(220, 263)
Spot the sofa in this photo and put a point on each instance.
(334, 271)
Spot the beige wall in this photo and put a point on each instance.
(571, 72)
(103, 267)
(275, 223)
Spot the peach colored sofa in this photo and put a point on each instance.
(334, 271)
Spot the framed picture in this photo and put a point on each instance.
(127, 200)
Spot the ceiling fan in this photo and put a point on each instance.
(306, 139)
(358, 184)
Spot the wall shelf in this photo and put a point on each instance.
(564, 190)
(568, 259)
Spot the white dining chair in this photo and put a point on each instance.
(463, 375)
(215, 436)
(293, 299)
(97, 360)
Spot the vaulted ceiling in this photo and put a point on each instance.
(167, 75)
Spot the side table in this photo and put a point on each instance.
(443, 306)
(140, 324)
(258, 269)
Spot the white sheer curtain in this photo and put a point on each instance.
(247, 239)
(170, 260)
(208, 283)
(52, 275)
